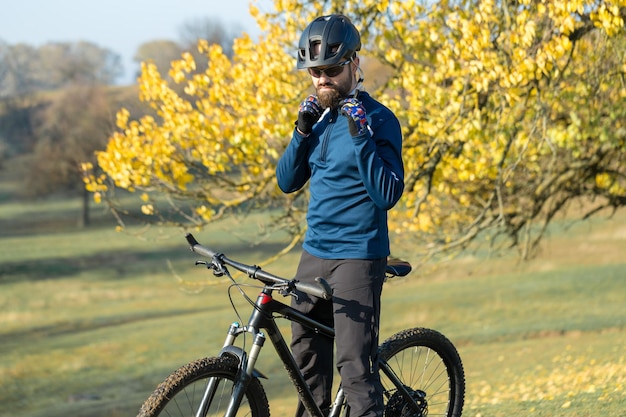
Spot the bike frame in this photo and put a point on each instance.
(262, 318)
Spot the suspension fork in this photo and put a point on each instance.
(244, 375)
(259, 319)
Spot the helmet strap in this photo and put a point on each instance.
(359, 81)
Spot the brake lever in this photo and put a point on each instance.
(219, 270)
(287, 289)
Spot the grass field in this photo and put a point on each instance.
(91, 320)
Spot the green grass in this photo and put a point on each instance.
(91, 320)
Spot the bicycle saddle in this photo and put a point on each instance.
(397, 267)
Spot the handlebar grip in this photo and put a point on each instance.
(197, 247)
(190, 239)
(321, 289)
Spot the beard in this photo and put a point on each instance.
(329, 98)
(334, 95)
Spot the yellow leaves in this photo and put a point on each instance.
(122, 118)
(541, 8)
(147, 209)
(141, 155)
(93, 184)
(523, 16)
(382, 5)
(393, 56)
(397, 8)
(608, 18)
(482, 89)
(563, 45)
(205, 212)
(567, 25)
(569, 377)
(182, 67)
(610, 183)
(233, 117)
(528, 33)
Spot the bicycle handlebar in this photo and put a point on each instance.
(321, 289)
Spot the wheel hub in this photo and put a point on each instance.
(397, 406)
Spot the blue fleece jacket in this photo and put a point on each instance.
(353, 182)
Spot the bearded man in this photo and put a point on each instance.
(347, 146)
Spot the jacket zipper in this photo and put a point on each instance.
(327, 132)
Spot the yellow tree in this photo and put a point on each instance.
(511, 110)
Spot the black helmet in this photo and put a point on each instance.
(328, 40)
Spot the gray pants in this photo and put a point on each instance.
(355, 313)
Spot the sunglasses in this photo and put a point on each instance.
(330, 72)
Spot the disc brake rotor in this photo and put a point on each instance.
(398, 407)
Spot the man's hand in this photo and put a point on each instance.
(355, 112)
(309, 113)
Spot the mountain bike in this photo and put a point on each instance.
(420, 369)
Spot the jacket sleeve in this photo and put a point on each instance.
(379, 159)
(292, 170)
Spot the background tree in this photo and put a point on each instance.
(70, 129)
(510, 110)
(160, 53)
(210, 29)
(28, 73)
(18, 67)
(65, 63)
(25, 69)
(17, 84)
(52, 132)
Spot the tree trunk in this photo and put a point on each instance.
(83, 219)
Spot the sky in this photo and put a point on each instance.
(118, 25)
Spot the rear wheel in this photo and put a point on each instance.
(429, 368)
(182, 392)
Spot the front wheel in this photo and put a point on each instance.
(429, 368)
(182, 393)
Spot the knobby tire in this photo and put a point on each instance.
(182, 391)
(430, 367)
